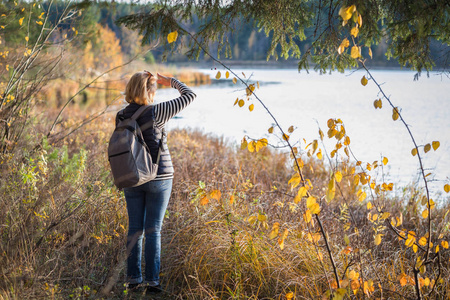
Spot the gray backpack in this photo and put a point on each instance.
(129, 157)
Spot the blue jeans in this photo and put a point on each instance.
(146, 206)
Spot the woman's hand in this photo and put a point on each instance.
(163, 80)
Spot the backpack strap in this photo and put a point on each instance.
(136, 115)
(140, 111)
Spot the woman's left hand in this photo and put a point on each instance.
(163, 80)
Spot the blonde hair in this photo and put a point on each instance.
(141, 88)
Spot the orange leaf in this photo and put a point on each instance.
(204, 200)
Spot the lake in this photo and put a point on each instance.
(307, 101)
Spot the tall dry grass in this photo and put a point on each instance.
(63, 224)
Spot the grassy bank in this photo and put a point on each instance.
(233, 229)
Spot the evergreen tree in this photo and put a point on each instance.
(409, 29)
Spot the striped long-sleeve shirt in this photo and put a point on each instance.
(167, 110)
(163, 111)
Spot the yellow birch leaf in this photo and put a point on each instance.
(21, 21)
(227, 74)
(241, 103)
(297, 199)
(39, 22)
(172, 37)
(252, 219)
(257, 84)
(302, 191)
(424, 200)
(251, 107)
(395, 114)
(369, 205)
(414, 151)
(319, 154)
(432, 204)
(321, 134)
(360, 20)
(427, 148)
(331, 132)
(338, 176)
(347, 12)
(370, 53)
(330, 123)
(333, 153)
(244, 144)
(294, 181)
(270, 130)
(355, 52)
(281, 243)
(364, 81)
(444, 244)
(315, 209)
(262, 217)
(289, 296)
(385, 160)
(410, 241)
(273, 234)
(436, 145)
(415, 248)
(378, 104)
(291, 129)
(234, 80)
(425, 213)
(236, 102)
(385, 215)
(422, 241)
(378, 239)
(344, 44)
(362, 196)
(285, 137)
(250, 89)
(354, 32)
(447, 188)
(231, 199)
(347, 141)
(356, 179)
(310, 201)
(251, 146)
(331, 191)
(218, 75)
(437, 248)
(261, 144)
(307, 216)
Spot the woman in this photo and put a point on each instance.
(147, 203)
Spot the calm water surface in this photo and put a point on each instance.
(307, 101)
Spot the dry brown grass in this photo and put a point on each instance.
(63, 224)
